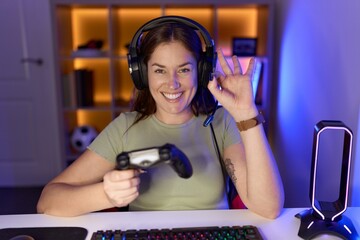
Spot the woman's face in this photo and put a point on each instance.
(172, 75)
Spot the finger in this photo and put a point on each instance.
(123, 198)
(132, 183)
(126, 200)
(224, 64)
(219, 77)
(128, 184)
(250, 70)
(120, 175)
(122, 189)
(213, 87)
(237, 66)
(218, 93)
(218, 74)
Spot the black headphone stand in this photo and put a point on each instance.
(326, 217)
(312, 226)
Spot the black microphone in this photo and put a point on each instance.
(210, 118)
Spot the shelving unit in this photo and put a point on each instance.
(115, 22)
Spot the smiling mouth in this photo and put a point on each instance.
(172, 96)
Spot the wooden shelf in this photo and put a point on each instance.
(115, 23)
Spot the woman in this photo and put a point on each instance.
(172, 109)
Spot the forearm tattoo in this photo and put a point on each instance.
(230, 169)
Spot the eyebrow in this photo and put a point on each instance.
(163, 66)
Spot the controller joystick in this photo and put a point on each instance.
(148, 157)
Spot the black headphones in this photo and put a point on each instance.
(206, 65)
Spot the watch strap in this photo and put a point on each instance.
(250, 123)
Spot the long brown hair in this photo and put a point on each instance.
(203, 101)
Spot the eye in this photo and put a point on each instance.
(184, 70)
(159, 70)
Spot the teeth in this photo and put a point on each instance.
(172, 96)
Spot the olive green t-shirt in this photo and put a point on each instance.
(161, 188)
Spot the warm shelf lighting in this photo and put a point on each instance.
(97, 119)
(89, 23)
(238, 22)
(137, 17)
(202, 15)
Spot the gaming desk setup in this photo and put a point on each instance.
(326, 219)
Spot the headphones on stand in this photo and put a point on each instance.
(206, 65)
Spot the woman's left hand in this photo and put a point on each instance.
(233, 88)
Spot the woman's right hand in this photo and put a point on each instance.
(121, 187)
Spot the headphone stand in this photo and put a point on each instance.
(311, 226)
(326, 217)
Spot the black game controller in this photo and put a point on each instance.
(148, 157)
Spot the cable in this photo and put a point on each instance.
(207, 122)
(210, 117)
(223, 169)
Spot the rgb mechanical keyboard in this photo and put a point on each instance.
(193, 233)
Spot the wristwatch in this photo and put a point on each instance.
(250, 123)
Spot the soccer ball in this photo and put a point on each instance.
(82, 136)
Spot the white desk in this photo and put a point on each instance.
(285, 227)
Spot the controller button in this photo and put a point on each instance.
(145, 163)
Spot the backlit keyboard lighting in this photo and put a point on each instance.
(193, 233)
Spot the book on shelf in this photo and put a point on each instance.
(78, 88)
(84, 87)
(68, 90)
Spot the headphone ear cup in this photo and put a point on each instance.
(134, 70)
(201, 72)
(143, 73)
(137, 72)
(205, 69)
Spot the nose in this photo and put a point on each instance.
(173, 82)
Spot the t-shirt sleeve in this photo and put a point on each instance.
(231, 133)
(109, 143)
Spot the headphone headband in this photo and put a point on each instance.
(172, 19)
(206, 65)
